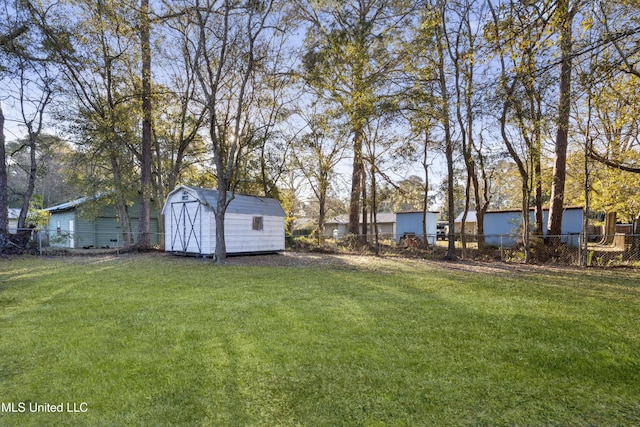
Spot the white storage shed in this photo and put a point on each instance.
(252, 224)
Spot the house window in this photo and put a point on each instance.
(58, 228)
(257, 223)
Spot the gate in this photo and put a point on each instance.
(186, 233)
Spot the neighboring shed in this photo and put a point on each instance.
(13, 213)
(339, 226)
(470, 223)
(73, 226)
(411, 223)
(252, 224)
(503, 227)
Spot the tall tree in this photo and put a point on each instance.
(420, 105)
(53, 184)
(508, 20)
(617, 76)
(12, 27)
(445, 119)
(33, 105)
(4, 202)
(26, 62)
(179, 148)
(317, 154)
(429, 103)
(230, 40)
(385, 152)
(270, 136)
(565, 13)
(146, 156)
(352, 55)
(462, 43)
(94, 49)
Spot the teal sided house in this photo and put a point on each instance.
(85, 223)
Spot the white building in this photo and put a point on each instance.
(14, 213)
(252, 224)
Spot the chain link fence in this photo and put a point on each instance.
(45, 241)
(619, 249)
(568, 249)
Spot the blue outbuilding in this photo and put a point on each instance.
(503, 227)
(410, 223)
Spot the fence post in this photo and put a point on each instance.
(435, 245)
(581, 251)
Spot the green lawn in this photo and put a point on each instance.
(159, 340)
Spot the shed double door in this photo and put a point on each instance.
(186, 230)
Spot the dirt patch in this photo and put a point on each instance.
(370, 262)
(293, 259)
(355, 262)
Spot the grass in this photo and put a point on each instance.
(154, 340)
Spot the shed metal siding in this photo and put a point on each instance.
(411, 222)
(243, 204)
(108, 232)
(135, 227)
(240, 237)
(500, 223)
(60, 239)
(340, 224)
(503, 227)
(100, 232)
(184, 221)
(12, 224)
(84, 234)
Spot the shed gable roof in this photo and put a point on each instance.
(471, 217)
(72, 204)
(383, 218)
(14, 213)
(67, 205)
(240, 204)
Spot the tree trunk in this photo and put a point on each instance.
(480, 229)
(425, 198)
(323, 188)
(526, 238)
(159, 190)
(374, 211)
(365, 205)
(536, 153)
(537, 173)
(554, 226)
(144, 240)
(125, 221)
(121, 202)
(451, 254)
(610, 220)
(220, 212)
(356, 184)
(321, 216)
(535, 108)
(31, 182)
(4, 202)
